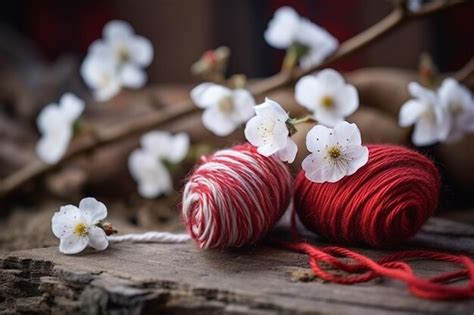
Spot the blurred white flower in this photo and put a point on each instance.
(55, 123)
(414, 5)
(335, 153)
(287, 29)
(459, 103)
(432, 121)
(77, 227)
(101, 75)
(149, 172)
(117, 60)
(320, 42)
(147, 164)
(224, 109)
(165, 146)
(327, 96)
(269, 133)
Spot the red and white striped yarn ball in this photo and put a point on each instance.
(234, 197)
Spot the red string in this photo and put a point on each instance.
(382, 204)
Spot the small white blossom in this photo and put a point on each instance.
(414, 5)
(224, 109)
(77, 227)
(432, 121)
(457, 100)
(101, 75)
(335, 153)
(146, 164)
(117, 60)
(55, 123)
(149, 172)
(287, 28)
(165, 146)
(327, 96)
(269, 133)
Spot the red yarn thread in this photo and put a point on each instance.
(382, 204)
(234, 197)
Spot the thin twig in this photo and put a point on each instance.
(173, 113)
(465, 72)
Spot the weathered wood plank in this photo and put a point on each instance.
(137, 278)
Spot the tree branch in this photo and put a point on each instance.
(171, 113)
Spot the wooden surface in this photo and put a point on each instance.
(144, 278)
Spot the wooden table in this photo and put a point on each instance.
(170, 278)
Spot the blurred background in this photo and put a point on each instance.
(181, 30)
(42, 45)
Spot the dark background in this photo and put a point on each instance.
(182, 29)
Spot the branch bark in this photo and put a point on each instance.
(398, 16)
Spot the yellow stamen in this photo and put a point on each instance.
(334, 152)
(80, 229)
(327, 101)
(225, 105)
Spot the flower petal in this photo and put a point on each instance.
(307, 92)
(347, 134)
(132, 76)
(271, 110)
(347, 100)
(425, 132)
(140, 50)
(97, 238)
(93, 209)
(50, 115)
(317, 138)
(422, 93)
(73, 244)
(282, 28)
(117, 29)
(64, 220)
(410, 112)
(218, 123)
(71, 106)
(328, 117)
(179, 148)
(330, 78)
(244, 104)
(53, 145)
(357, 157)
(318, 170)
(288, 153)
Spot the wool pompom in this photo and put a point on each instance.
(382, 204)
(234, 197)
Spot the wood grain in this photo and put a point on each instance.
(144, 278)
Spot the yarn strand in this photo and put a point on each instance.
(150, 237)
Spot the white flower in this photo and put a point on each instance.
(165, 146)
(101, 75)
(224, 109)
(77, 227)
(117, 60)
(414, 5)
(287, 28)
(55, 123)
(459, 103)
(149, 172)
(327, 96)
(147, 163)
(282, 28)
(269, 133)
(335, 153)
(431, 120)
(321, 43)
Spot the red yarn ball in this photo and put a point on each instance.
(384, 203)
(234, 197)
